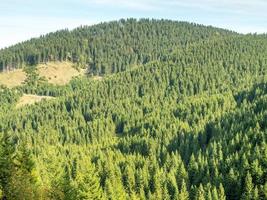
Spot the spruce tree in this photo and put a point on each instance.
(249, 188)
(183, 194)
(200, 195)
(88, 185)
(221, 194)
(7, 166)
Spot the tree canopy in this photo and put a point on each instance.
(179, 114)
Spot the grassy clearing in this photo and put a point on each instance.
(28, 99)
(59, 73)
(13, 78)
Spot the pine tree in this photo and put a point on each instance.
(208, 192)
(88, 185)
(165, 193)
(172, 186)
(129, 179)
(255, 193)
(193, 170)
(232, 185)
(183, 194)
(215, 194)
(200, 195)
(221, 194)
(67, 188)
(32, 76)
(114, 190)
(23, 183)
(7, 167)
(248, 190)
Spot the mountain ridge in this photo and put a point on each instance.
(83, 42)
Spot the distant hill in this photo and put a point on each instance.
(109, 47)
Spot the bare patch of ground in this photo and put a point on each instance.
(29, 99)
(59, 73)
(13, 78)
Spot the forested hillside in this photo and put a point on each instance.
(107, 47)
(180, 113)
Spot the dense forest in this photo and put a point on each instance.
(107, 47)
(181, 113)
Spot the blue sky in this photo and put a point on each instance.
(23, 19)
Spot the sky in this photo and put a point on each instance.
(21, 20)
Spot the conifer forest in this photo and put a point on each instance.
(178, 111)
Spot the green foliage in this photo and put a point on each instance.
(248, 192)
(107, 47)
(88, 186)
(185, 117)
(6, 162)
(16, 168)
